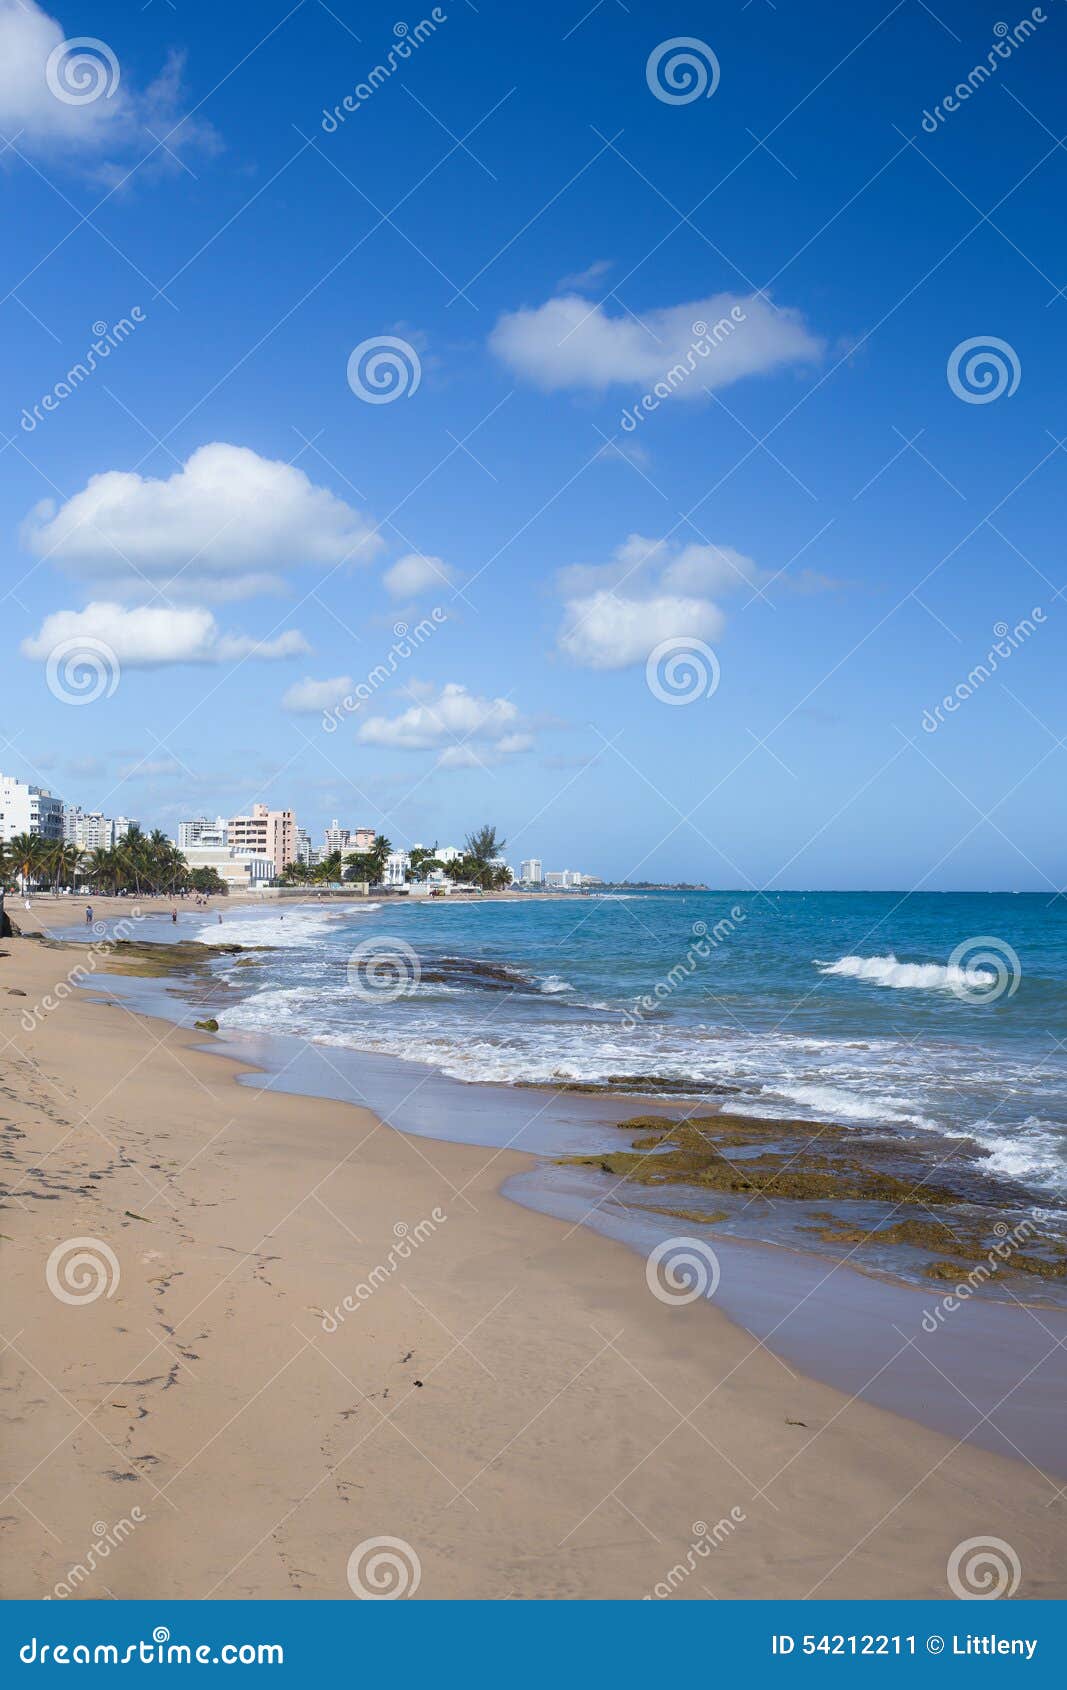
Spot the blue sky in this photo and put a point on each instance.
(517, 205)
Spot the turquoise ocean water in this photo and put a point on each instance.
(909, 1014)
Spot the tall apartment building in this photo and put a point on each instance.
(531, 872)
(305, 850)
(201, 831)
(336, 838)
(267, 833)
(29, 809)
(363, 838)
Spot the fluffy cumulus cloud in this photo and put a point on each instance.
(469, 730)
(415, 574)
(569, 343)
(149, 637)
(68, 95)
(608, 631)
(221, 526)
(308, 697)
(649, 591)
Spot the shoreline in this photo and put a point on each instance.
(865, 1330)
(595, 1495)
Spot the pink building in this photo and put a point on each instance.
(271, 833)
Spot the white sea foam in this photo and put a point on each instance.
(917, 976)
(284, 930)
(552, 985)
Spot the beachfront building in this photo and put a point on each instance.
(336, 838)
(397, 868)
(448, 853)
(305, 850)
(201, 831)
(267, 833)
(563, 880)
(363, 838)
(240, 869)
(531, 873)
(29, 809)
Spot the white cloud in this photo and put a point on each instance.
(481, 730)
(585, 278)
(482, 755)
(568, 343)
(37, 71)
(308, 697)
(608, 631)
(226, 517)
(705, 568)
(411, 575)
(149, 636)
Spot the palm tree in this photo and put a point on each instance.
(28, 854)
(329, 869)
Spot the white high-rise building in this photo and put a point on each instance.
(335, 838)
(29, 809)
(201, 831)
(531, 872)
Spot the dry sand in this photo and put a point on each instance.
(510, 1400)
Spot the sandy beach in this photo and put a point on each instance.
(501, 1391)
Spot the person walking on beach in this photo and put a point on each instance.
(173, 915)
(88, 915)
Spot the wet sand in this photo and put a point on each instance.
(508, 1398)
